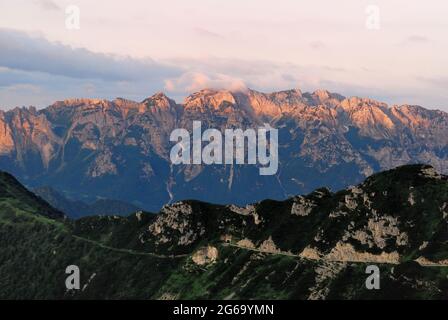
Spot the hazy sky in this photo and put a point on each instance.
(134, 48)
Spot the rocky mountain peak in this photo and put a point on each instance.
(76, 102)
(210, 99)
(357, 103)
(322, 94)
(297, 92)
(323, 97)
(159, 100)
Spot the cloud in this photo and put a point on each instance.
(441, 82)
(417, 39)
(229, 73)
(22, 51)
(317, 45)
(34, 89)
(24, 88)
(48, 5)
(268, 76)
(208, 34)
(35, 71)
(195, 81)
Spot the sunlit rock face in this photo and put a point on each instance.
(120, 149)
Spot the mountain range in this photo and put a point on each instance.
(90, 149)
(315, 246)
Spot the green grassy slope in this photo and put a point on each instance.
(146, 256)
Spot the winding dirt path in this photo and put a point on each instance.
(129, 251)
(288, 254)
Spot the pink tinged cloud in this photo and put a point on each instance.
(195, 81)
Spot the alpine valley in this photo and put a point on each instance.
(88, 149)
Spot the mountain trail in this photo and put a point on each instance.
(324, 259)
(129, 251)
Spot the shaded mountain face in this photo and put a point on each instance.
(16, 198)
(307, 247)
(120, 149)
(76, 209)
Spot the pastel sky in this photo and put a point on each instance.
(134, 48)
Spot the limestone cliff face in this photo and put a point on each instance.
(6, 140)
(26, 131)
(80, 145)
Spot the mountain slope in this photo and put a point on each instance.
(15, 197)
(38, 244)
(308, 247)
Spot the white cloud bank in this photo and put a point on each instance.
(36, 71)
